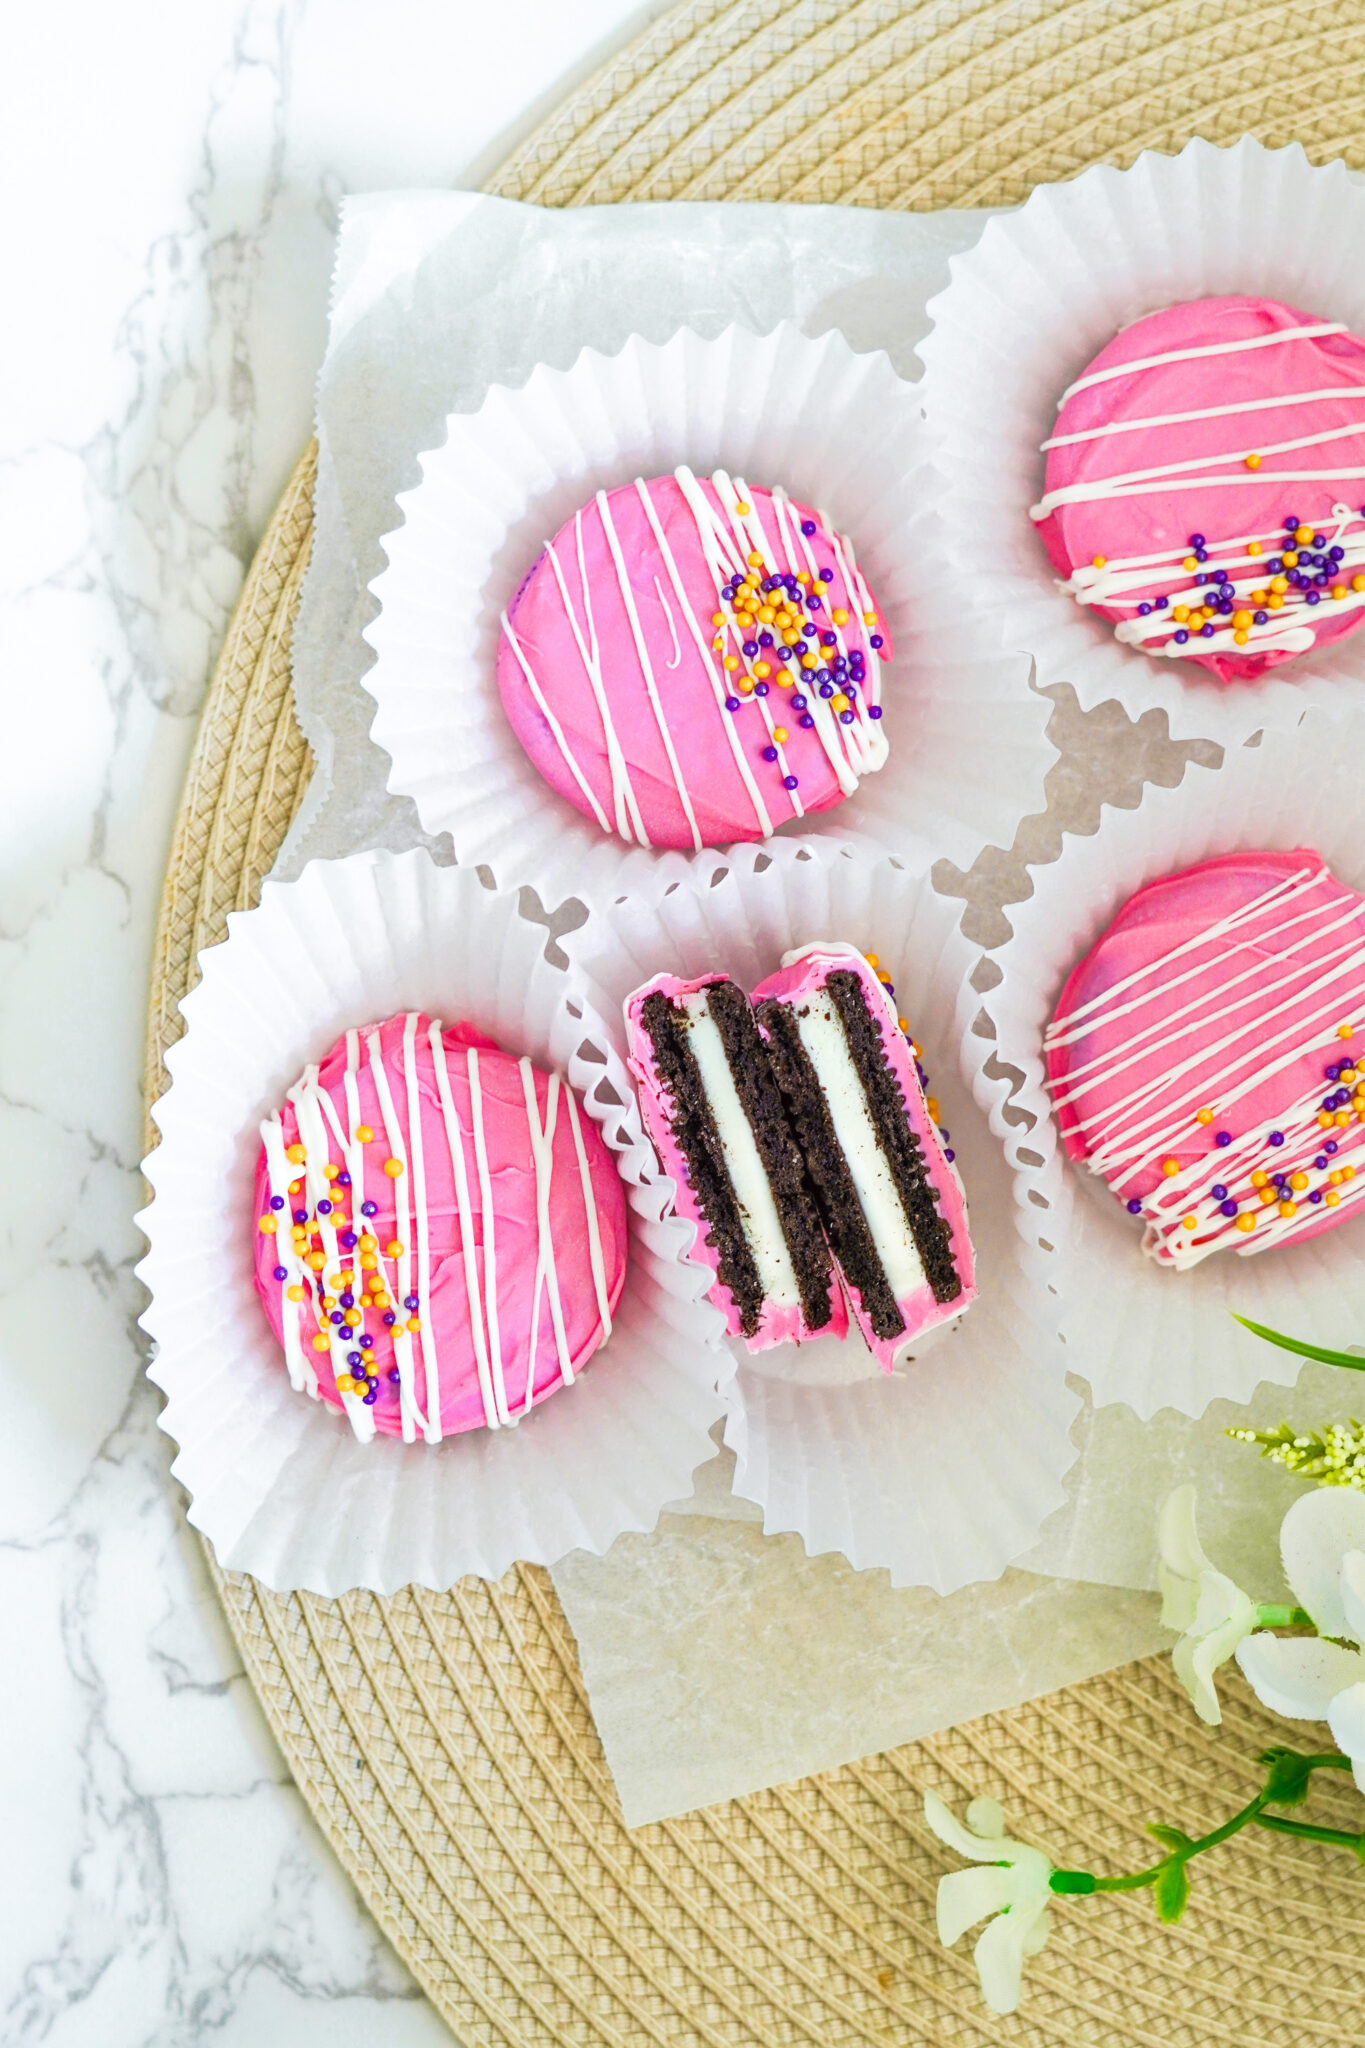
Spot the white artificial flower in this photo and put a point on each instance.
(1211, 1613)
(1014, 1886)
(1322, 1543)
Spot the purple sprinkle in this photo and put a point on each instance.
(944, 1134)
(1319, 540)
(1201, 554)
(1280, 1179)
(808, 527)
(827, 575)
(750, 647)
(1135, 1207)
(394, 1376)
(365, 1340)
(732, 703)
(783, 653)
(1260, 617)
(1228, 1208)
(829, 639)
(300, 1215)
(1321, 1162)
(411, 1301)
(389, 1319)
(874, 710)
(281, 1272)
(1218, 1191)
(348, 1240)
(845, 718)
(760, 689)
(770, 753)
(1196, 540)
(1144, 611)
(798, 702)
(277, 1201)
(354, 1358)
(369, 1208)
(346, 1300)
(343, 1180)
(1321, 581)
(1220, 576)
(1180, 636)
(765, 639)
(827, 689)
(806, 720)
(814, 603)
(875, 640)
(1313, 597)
(324, 1207)
(371, 1397)
(1337, 554)
(1277, 1137)
(1291, 522)
(337, 1316)
(1222, 1137)
(1331, 1145)
(1207, 632)
(1161, 603)
(949, 1154)
(789, 782)
(1316, 1195)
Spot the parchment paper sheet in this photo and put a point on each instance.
(717, 1660)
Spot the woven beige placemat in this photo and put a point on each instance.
(444, 1742)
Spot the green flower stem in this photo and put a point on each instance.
(1341, 1838)
(1268, 1615)
(1273, 1793)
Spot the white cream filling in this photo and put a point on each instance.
(753, 1190)
(826, 1043)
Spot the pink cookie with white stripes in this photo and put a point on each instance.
(441, 1237)
(692, 662)
(1205, 484)
(1200, 1058)
(886, 1187)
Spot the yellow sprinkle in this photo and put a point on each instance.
(1348, 1076)
(883, 977)
(393, 1167)
(1334, 1177)
(1288, 1208)
(1298, 1181)
(1325, 1119)
(1189, 564)
(1348, 1173)
(717, 618)
(732, 661)
(394, 1249)
(1203, 1116)
(297, 1153)
(754, 561)
(316, 1260)
(321, 1343)
(1346, 1030)
(268, 1224)
(1338, 590)
(364, 1135)
(414, 1322)
(869, 618)
(1332, 1200)
(1189, 1223)
(743, 509)
(1342, 1118)
(1303, 534)
(1241, 619)
(838, 702)
(1253, 462)
(840, 618)
(1260, 1179)
(1279, 584)
(1267, 1195)
(331, 1170)
(294, 1293)
(1258, 597)
(1180, 614)
(1099, 562)
(1358, 583)
(1170, 1166)
(1240, 639)
(872, 959)
(1245, 1222)
(903, 1026)
(761, 668)
(1274, 601)
(1290, 559)
(1253, 547)
(931, 1104)
(779, 733)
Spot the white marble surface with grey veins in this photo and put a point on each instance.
(172, 177)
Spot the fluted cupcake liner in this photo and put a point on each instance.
(1040, 294)
(838, 430)
(1152, 1336)
(945, 1471)
(277, 1482)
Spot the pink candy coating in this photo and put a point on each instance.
(688, 676)
(512, 1178)
(1249, 503)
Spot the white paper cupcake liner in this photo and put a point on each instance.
(1149, 1336)
(839, 430)
(944, 1474)
(1043, 290)
(277, 1482)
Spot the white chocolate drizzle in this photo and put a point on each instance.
(1302, 989)
(726, 537)
(396, 1273)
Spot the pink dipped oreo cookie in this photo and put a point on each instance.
(442, 1233)
(1199, 1059)
(692, 662)
(712, 1107)
(1205, 484)
(886, 1185)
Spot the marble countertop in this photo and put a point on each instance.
(179, 172)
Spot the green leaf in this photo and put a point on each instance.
(1169, 1838)
(1288, 1777)
(1171, 1892)
(1348, 1359)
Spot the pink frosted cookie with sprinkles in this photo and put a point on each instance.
(693, 662)
(441, 1236)
(1200, 1058)
(1205, 484)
